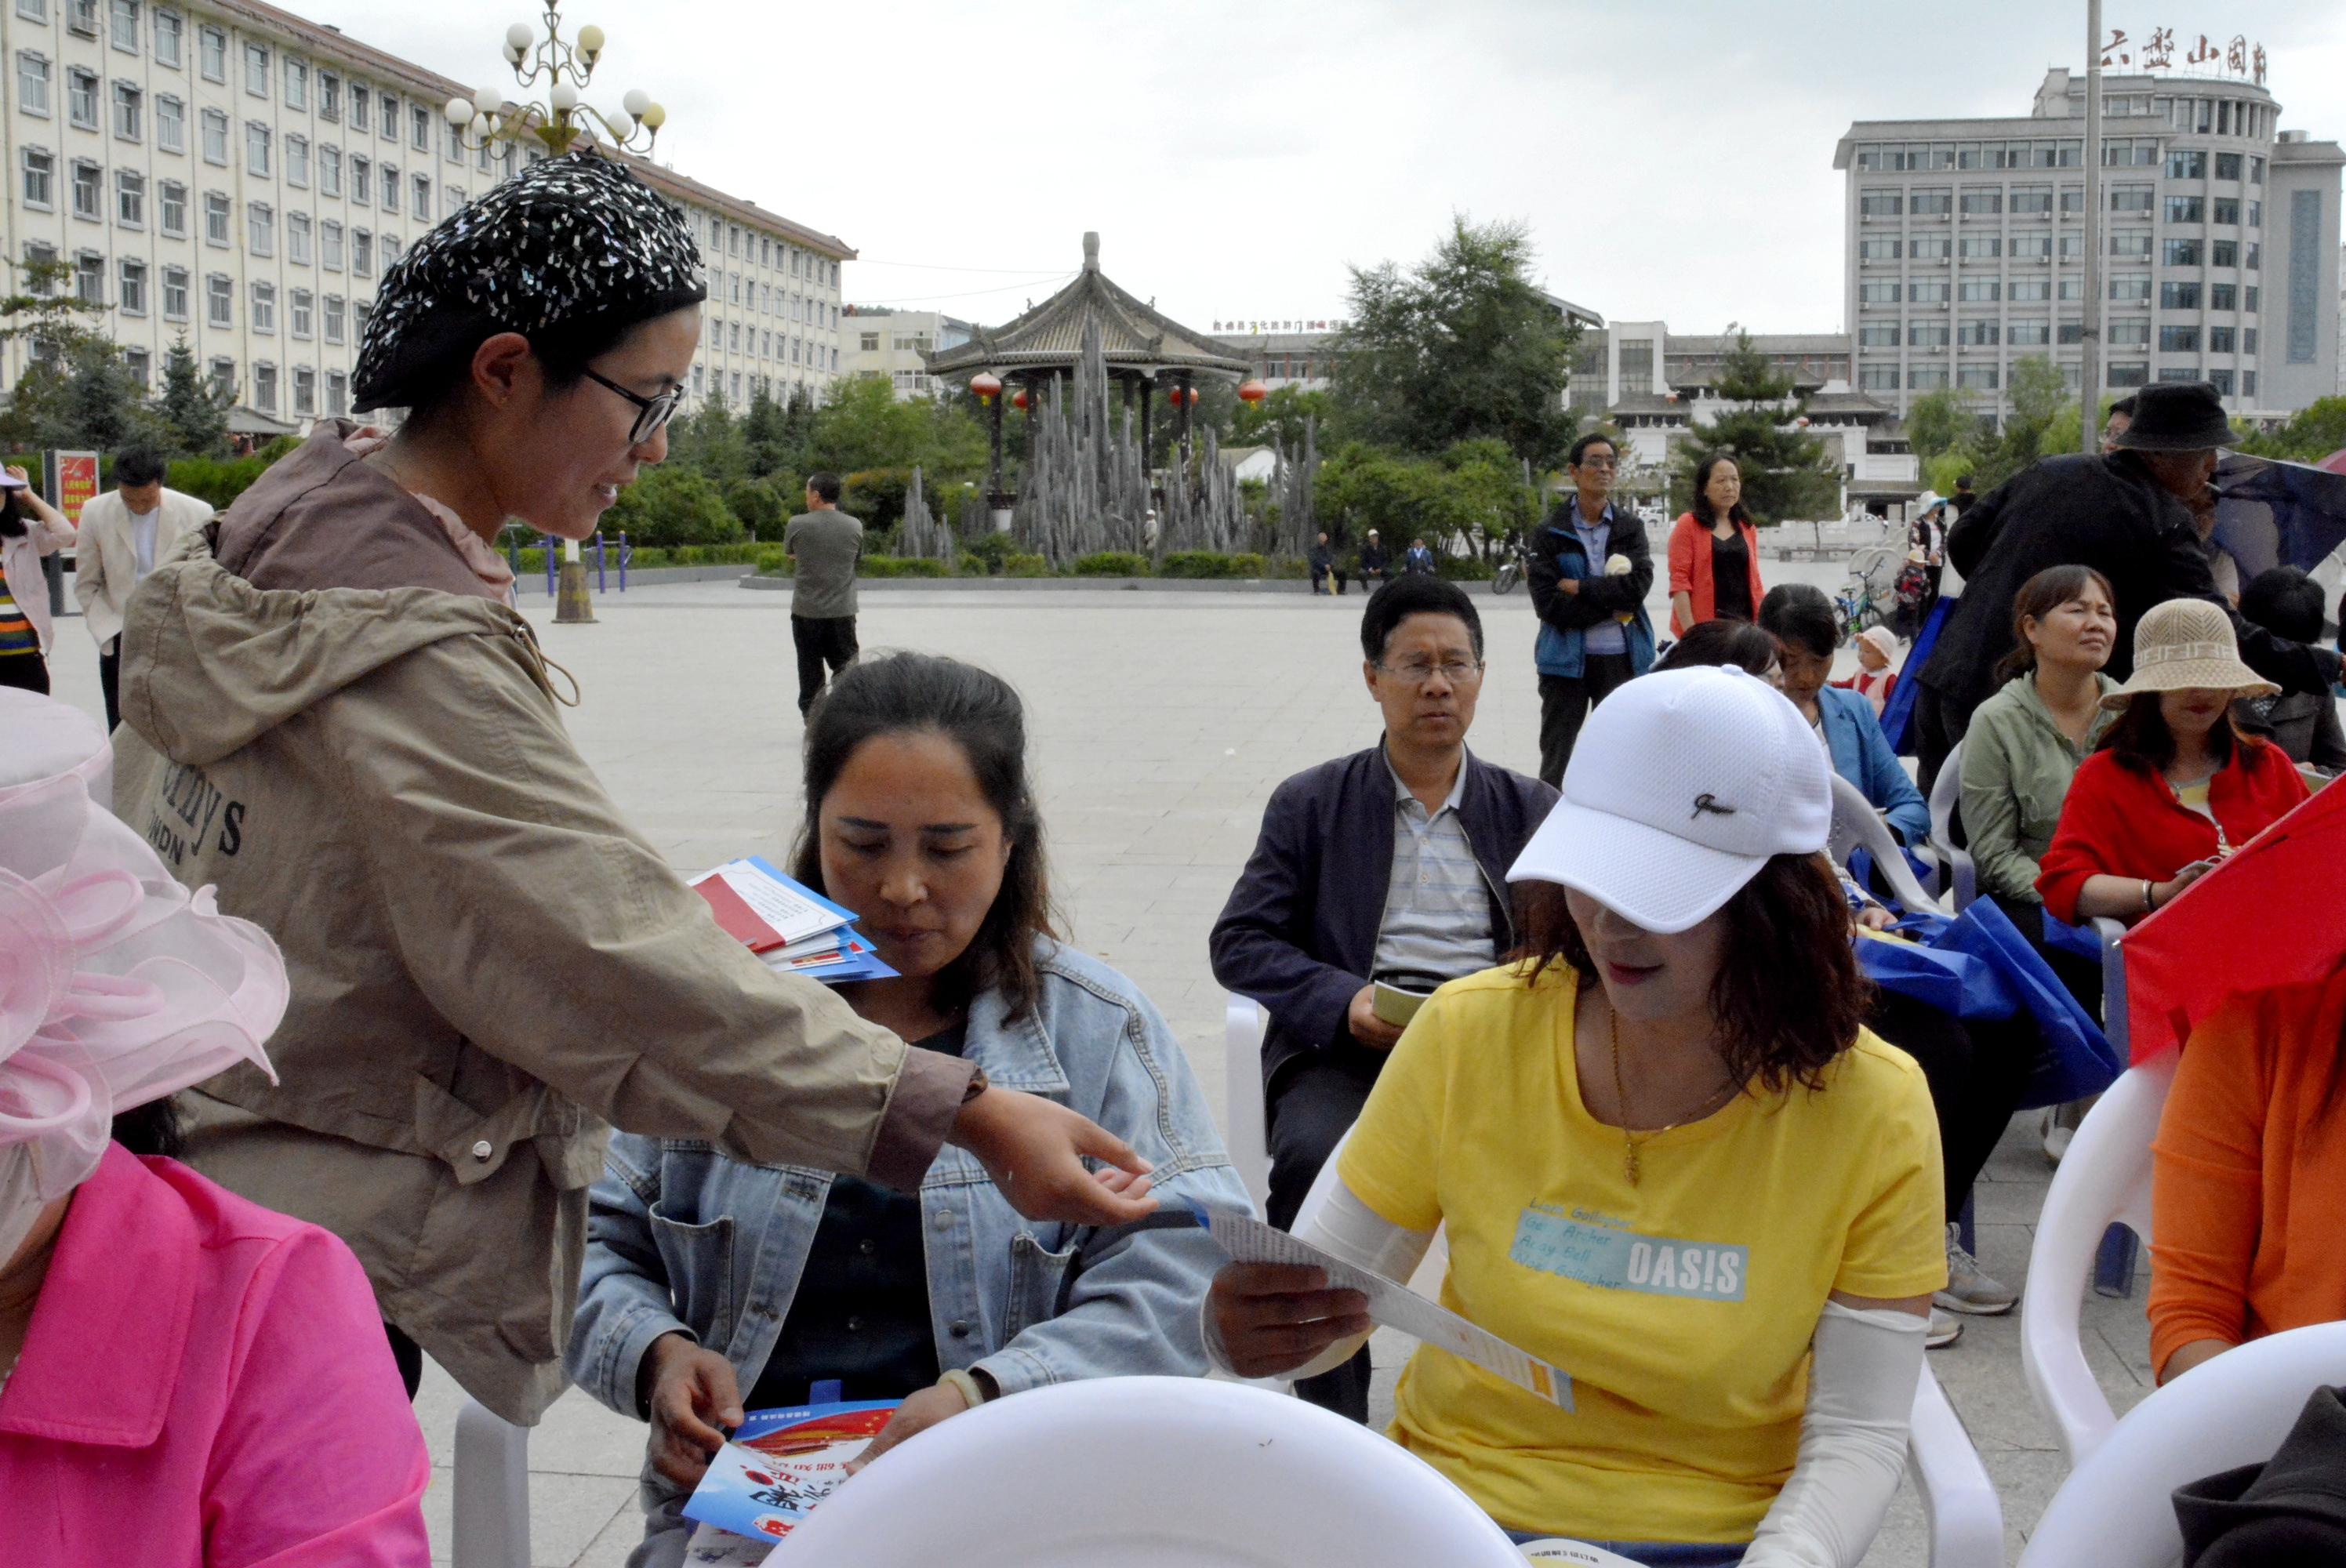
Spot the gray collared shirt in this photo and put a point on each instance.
(1437, 918)
(1607, 636)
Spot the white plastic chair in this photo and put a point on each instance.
(490, 1504)
(1946, 796)
(1856, 825)
(2116, 1509)
(1149, 1472)
(1243, 1022)
(2103, 1180)
(1959, 1500)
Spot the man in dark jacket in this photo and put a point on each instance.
(1388, 864)
(1376, 563)
(1594, 631)
(2129, 515)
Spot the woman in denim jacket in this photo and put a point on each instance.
(712, 1287)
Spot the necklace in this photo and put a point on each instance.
(1632, 1142)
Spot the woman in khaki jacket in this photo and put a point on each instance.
(331, 713)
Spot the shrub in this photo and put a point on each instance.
(900, 567)
(669, 507)
(989, 550)
(1247, 563)
(216, 480)
(758, 505)
(1294, 566)
(1463, 569)
(969, 565)
(876, 495)
(1110, 563)
(1016, 566)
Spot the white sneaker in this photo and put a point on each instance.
(1944, 1331)
(1969, 1287)
(2055, 1136)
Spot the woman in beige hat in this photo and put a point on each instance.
(2173, 786)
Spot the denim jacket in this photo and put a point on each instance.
(680, 1237)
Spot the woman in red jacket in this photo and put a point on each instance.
(1714, 551)
(2174, 787)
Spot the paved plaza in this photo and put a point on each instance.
(1159, 723)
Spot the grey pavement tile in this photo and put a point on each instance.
(566, 1514)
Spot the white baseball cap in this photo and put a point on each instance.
(1682, 785)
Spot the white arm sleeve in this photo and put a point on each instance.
(1353, 1232)
(1861, 1380)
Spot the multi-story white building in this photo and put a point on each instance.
(228, 173)
(880, 341)
(1966, 244)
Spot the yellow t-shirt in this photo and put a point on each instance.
(1681, 1308)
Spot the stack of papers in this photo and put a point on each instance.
(767, 1478)
(789, 925)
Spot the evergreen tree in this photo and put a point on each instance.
(196, 412)
(1787, 472)
(765, 431)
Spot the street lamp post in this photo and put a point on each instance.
(2089, 330)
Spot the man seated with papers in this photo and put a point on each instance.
(1668, 1161)
(714, 1288)
(1387, 865)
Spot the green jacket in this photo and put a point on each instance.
(2017, 769)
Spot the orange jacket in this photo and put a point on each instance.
(1690, 571)
(2249, 1173)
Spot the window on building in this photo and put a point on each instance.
(333, 318)
(1978, 202)
(387, 121)
(2127, 373)
(264, 307)
(129, 112)
(362, 107)
(2029, 289)
(2031, 247)
(141, 366)
(1883, 249)
(2073, 248)
(2073, 199)
(33, 83)
(362, 253)
(2181, 253)
(90, 278)
(171, 209)
(171, 39)
(2223, 296)
(2033, 332)
(223, 372)
(1879, 204)
(2133, 199)
(1922, 204)
(1870, 335)
(175, 293)
(214, 136)
(2134, 333)
(1981, 247)
(2032, 200)
(1977, 378)
(2254, 261)
(362, 181)
(297, 238)
(2179, 296)
(330, 245)
(81, 97)
(338, 393)
(297, 162)
(2221, 380)
(1926, 334)
(329, 97)
(2227, 166)
(1930, 247)
(89, 190)
(420, 191)
(1928, 291)
(2222, 340)
(391, 187)
(2069, 332)
(130, 286)
(260, 228)
(299, 312)
(1979, 332)
(2131, 245)
(1881, 377)
(215, 218)
(2185, 210)
(256, 70)
(264, 387)
(2248, 343)
(1926, 378)
(2184, 163)
(2130, 287)
(38, 166)
(2179, 339)
(130, 198)
(256, 149)
(1980, 290)
(2226, 210)
(171, 125)
(360, 311)
(389, 248)
(125, 30)
(211, 53)
(329, 171)
(296, 85)
(305, 391)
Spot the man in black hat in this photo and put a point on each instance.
(2130, 515)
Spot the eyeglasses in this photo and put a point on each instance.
(1606, 464)
(1418, 671)
(652, 413)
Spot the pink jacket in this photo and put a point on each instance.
(205, 1384)
(20, 568)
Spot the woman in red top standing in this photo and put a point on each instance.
(2174, 787)
(1714, 551)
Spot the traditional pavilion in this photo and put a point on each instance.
(1144, 351)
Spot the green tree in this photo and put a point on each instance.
(195, 410)
(1940, 421)
(74, 392)
(709, 442)
(2312, 434)
(1463, 347)
(1280, 417)
(862, 428)
(668, 506)
(1787, 472)
(1473, 490)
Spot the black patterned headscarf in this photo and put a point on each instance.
(571, 246)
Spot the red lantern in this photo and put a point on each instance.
(1252, 392)
(1801, 422)
(987, 385)
(1018, 399)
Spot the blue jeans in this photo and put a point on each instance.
(1656, 1554)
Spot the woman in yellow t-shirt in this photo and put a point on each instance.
(1668, 1160)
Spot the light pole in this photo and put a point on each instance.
(562, 121)
(2089, 332)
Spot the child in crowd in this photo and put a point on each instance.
(713, 1287)
(1874, 679)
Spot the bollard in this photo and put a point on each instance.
(600, 585)
(623, 560)
(552, 563)
(576, 607)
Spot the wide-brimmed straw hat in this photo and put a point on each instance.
(2187, 644)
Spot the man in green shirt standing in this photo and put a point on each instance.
(825, 544)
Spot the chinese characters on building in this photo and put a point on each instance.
(2239, 57)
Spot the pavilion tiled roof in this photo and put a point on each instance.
(1133, 336)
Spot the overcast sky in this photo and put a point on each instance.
(1673, 158)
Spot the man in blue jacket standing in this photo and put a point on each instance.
(1389, 864)
(1594, 631)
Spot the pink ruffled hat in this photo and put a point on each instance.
(118, 985)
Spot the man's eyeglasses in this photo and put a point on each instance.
(652, 413)
(1606, 464)
(1418, 671)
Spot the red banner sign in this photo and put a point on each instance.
(76, 482)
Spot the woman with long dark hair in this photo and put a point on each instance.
(1714, 551)
(921, 818)
(2175, 786)
(1669, 1158)
(331, 713)
(30, 528)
